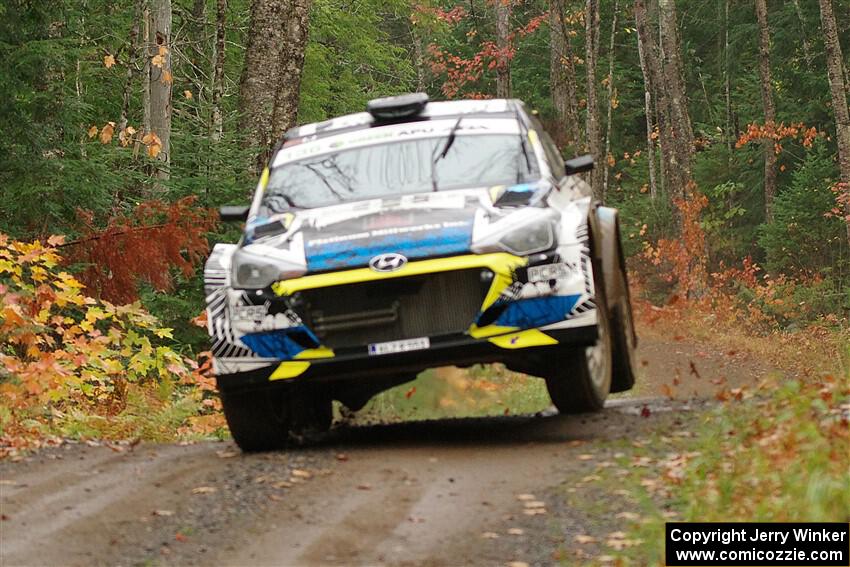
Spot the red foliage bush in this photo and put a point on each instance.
(145, 245)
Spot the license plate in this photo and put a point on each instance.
(548, 272)
(405, 345)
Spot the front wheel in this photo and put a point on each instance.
(268, 419)
(582, 380)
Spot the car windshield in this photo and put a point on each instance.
(472, 160)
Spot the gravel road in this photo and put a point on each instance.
(445, 492)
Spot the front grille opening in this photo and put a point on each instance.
(403, 308)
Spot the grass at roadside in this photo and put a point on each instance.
(777, 451)
(453, 392)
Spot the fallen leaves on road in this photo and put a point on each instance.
(585, 539)
(516, 531)
(341, 457)
(204, 490)
(301, 473)
(490, 535)
(364, 486)
(226, 454)
(162, 513)
(525, 497)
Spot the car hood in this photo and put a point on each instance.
(351, 234)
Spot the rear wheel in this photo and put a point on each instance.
(582, 380)
(267, 419)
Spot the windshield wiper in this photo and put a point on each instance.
(435, 157)
(271, 202)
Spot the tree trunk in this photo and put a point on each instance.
(503, 30)
(261, 74)
(218, 70)
(133, 48)
(146, 74)
(594, 136)
(660, 93)
(292, 63)
(563, 75)
(674, 83)
(640, 20)
(418, 58)
(611, 94)
(838, 88)
(159, 50)
(807, 48)
(727, 81)
(769, 108)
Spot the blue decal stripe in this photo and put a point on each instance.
(536, 312)
(279, 344)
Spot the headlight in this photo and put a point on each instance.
(529, 239)
(260, 267)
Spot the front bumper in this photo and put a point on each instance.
(528, 351)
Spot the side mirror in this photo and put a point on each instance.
(579, 164)
(233, 213)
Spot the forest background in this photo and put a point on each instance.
(720, 130)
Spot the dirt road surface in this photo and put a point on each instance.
(445, 492)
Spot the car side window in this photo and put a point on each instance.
(553, 155)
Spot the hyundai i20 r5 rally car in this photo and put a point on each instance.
(415, 235)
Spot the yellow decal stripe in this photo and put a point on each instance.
(501, 263)
(288, 370)
(477, 332)
(523, 339)
(264, 178)
(311, 353)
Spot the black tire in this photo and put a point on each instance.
(268, 419)
(624, 337)
(582, 379)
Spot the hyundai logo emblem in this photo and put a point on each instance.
(387, 262)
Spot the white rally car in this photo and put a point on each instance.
(415, 235)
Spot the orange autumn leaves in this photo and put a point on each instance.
(127, 136)
(777, 133)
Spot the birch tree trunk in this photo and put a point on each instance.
(217, 122)
(503, 30)
(563, 74)
(159, 52)
(594, 136)
(769, 108)
(838, 89)
(727, 81)
(611, 94)
(133, 50)
(652, 54)
(418, 57)
(640, 22)
(807, 48)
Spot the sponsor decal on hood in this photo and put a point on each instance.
(412, 233)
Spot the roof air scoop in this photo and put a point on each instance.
(397, 107)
